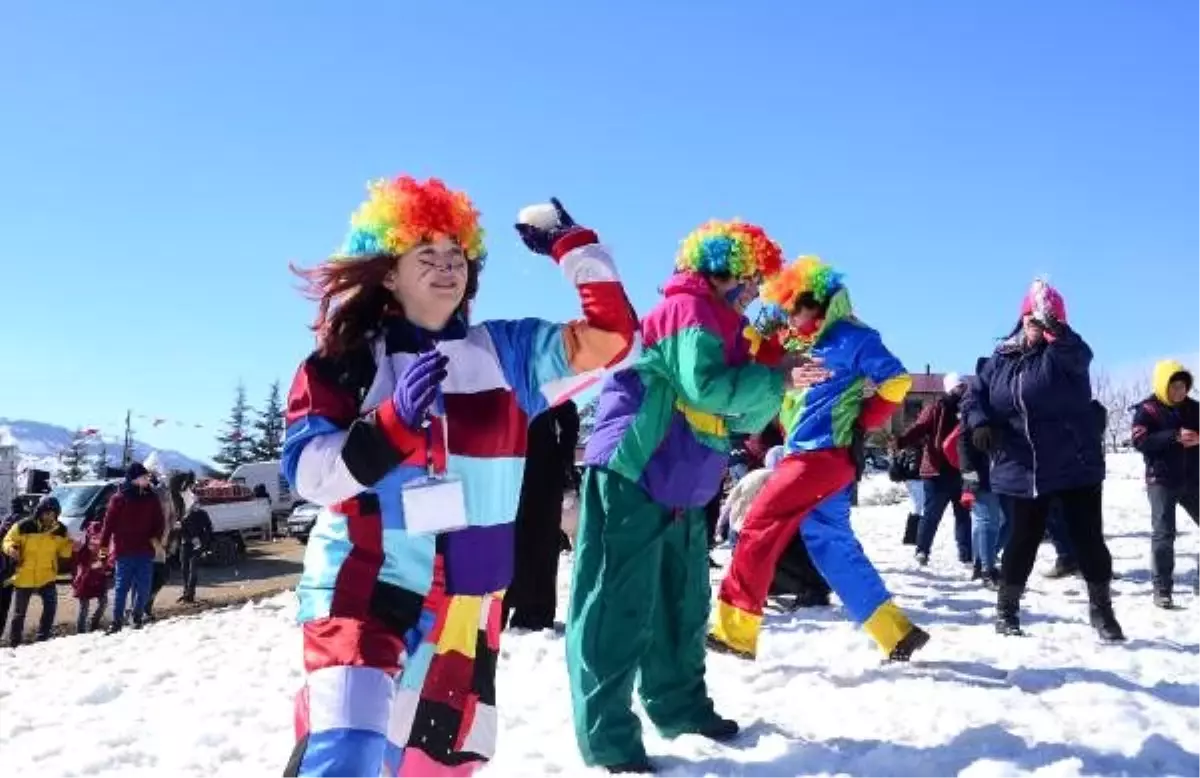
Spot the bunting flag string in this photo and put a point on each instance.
(114, 431)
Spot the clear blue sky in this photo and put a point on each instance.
(941, 153)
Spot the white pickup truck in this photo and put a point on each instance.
(231, 522)
(83, 502)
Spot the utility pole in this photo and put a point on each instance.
(127, 452)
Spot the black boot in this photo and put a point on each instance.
(976, 571)
(1162, 595)
(714, 643)
(1008, 606)
(1100, 612)
(908, 645)
(910, 529)
(991, 580)
(719, 729)
(643, 766)
(810, 598)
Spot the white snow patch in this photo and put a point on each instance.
(211, 695)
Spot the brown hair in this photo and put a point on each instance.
(351, 298)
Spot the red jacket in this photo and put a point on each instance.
(935, 423)
(91, 575)
(133, 521)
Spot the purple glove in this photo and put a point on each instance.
(417, 387)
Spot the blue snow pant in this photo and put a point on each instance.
(989, 529)
(938, 493)
(134, 572)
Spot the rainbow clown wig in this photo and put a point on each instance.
(403, 212)
(807, 281)
(807, 278)
(732, 248)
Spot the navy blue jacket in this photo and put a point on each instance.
(1038, 401)
(971, 459)
(1155, 427)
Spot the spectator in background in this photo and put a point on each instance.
(1165, 431)
(8, 566)
(90, 582)
(195, 534)
(1031, 410)
(904, 467)
(530, 601)
(133, 523)
(161, 573)
(941, 482)
(990, 528)
(37, 543)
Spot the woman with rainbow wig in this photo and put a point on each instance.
(810, 489)
(640, 593)
(408, 426)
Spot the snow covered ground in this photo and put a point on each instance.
(212, 695)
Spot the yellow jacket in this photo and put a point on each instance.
(37, 546)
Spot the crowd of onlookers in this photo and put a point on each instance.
(944, 467)
(126, 551)
(946, 463)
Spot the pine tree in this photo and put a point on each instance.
(100, 463)
(235, 441)
(587, 418)
(267, 443)
(72, 458)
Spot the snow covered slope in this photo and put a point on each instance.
(211, 695)
(41, 443)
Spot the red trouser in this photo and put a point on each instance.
(799, 484)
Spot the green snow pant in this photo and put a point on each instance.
(640, 600)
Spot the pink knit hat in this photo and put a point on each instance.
(1042, 295)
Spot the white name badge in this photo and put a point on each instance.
(433, 505)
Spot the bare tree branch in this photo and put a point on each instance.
(1118, 397)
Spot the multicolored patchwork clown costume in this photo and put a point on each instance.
(402, 630)
(810, 489)
(640, 592)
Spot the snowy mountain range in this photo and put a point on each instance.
(40, 445)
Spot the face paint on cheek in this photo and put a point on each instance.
(734, 294)
(810, 326)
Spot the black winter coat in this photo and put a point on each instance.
(1038, 401)
(196, 525)
(970, 458)
(1155, 427)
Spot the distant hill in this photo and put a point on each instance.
(40, 444)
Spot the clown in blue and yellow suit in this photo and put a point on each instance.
(810, 491)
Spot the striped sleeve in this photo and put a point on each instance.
(330, 452)
(548, 363)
